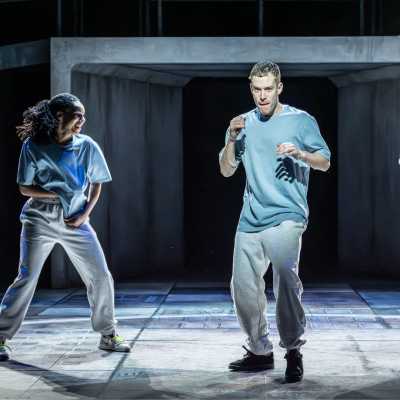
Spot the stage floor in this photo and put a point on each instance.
(184, 335)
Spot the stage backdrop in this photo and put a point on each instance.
(369, 179)
(213, 203)
(139, 218)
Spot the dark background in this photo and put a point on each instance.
(211, 202)
(25, 20)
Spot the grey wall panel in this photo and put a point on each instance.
(166, 176)
(386, 190)
(139, 217)
(94, 94)
(369, 178)
(355, 200)
(129, 163)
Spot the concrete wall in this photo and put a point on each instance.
(139, 218)
(316, 56)
(365, 208)
(369, 178)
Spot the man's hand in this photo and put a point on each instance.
(76, 222)
(314, 160)
(235, 126)
(289, 149)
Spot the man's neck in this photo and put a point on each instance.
(278, 109)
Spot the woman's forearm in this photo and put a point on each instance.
(93, 197)
(36, 192)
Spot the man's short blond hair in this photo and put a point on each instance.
(264, 68)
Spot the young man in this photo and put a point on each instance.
(277, 145)
(57, 164)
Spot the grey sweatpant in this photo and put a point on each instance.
(253, 253)
(42, 227)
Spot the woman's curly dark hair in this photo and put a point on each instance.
(40, 122)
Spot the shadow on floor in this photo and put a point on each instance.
(131, 383)
(388, 390)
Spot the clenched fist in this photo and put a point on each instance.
(289, 149)
(235, 126)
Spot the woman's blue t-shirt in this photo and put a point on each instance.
(64, 169)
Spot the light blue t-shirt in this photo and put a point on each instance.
(64, 169)
(276, 187)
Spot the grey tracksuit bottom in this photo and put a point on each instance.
(42, 227)
(253, 253)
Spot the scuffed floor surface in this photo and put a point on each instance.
(183, 336)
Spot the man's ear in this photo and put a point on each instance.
(59, 115)
(280, 87)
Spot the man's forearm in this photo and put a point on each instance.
(315, 160)
(228, 163)
(36, 192)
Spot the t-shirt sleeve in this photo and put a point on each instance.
(26, 167)
(313, 141)
(98, 171)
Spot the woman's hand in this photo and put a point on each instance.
(76, 222)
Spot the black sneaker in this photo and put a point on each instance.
(294, 370)
(253, 362)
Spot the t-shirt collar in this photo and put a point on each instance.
(263, 118)
(67, 145)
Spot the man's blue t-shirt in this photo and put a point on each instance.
(64, 169)
(276, 187)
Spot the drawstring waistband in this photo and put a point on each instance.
(46, 200)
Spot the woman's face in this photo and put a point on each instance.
(71, 121)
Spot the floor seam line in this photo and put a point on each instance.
(148, 321)
(378, 317)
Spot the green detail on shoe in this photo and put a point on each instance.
(4, 347)
(118, 339)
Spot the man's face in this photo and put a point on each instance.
(71, 122)
(266, 91)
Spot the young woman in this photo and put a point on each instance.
(57, 165)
